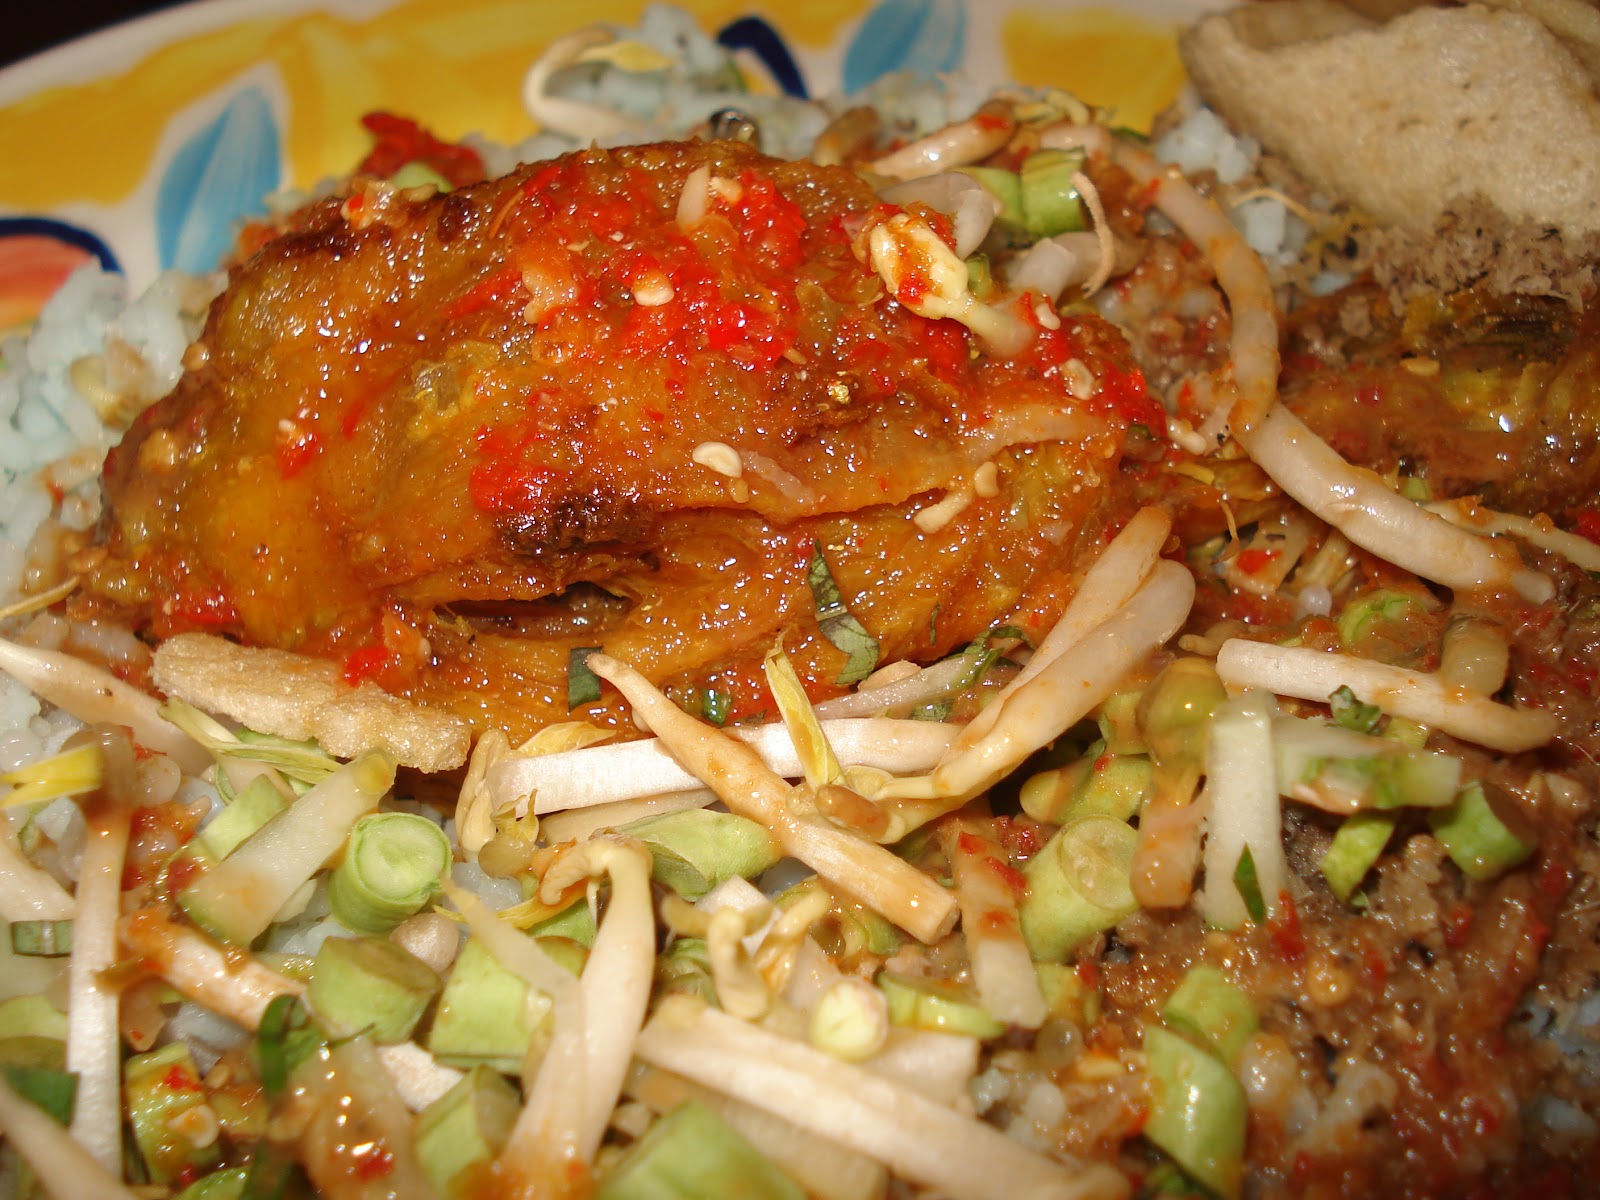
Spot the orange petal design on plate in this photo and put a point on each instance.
(32, 267)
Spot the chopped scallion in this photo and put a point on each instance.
(391, 867)
(838, 624)
(42, 939)
(1351, 713)
(370, 986)
(1249, 885)
(583, 685)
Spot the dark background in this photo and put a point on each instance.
(43, 23)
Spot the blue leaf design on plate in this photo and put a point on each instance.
(215, 179)
(755, 35)
(924, 37)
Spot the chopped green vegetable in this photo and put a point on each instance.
(1213, 1011)
(684, 967)
(1078, 885)
(227, 1184)
(468, 1124)
(1051, 203)
(246, 813)
(1006, 186)
(583, 685)
(1175, 714)
(41, 939)
(160, 1088)
(237, 899)
(574, 923)
(370, 986)
(284, 1039)
(391, 867)
(485, 1015)
(303, 764)
(419, 174)
(273, 1175)
(1378, 607)
(1198, 1111)
(694, 850)
(1118, 718)
(1355, 849)
(838, 624)
(1065, 993)
(692, 1153)
(1249, 885)
(1344, 770)
(1351, 713)
(935, 1004)
(1482, 836)
(980, 277)
(32, 1016)
(51, 1088)
(850, 1020)
(1113, 785)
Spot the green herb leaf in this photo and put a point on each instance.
(1352, 713)
(283, 1041)
(715, 705)
(1249, 885)
(838, 624)
(583, 685)
(53, 1091)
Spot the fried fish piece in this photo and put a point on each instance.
(622, 399)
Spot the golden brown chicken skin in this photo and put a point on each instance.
(622, 398)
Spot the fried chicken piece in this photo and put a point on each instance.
(618, 399)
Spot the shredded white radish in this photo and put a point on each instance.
(1372, 514)
(923, 1141)
(1102, 233)
(630, 770)
(1537, 531)
(585, 122)
(1243, 810)
(869, 873)
(1034, 712)
(938, 1065)
(986, 890)
(1316, 674)
(578, 824)
(227, 982)
(1116, 574)
(67, 1171)
(1356, 502)
(1475, 653)
(971, 206)
(900, 688)
(417, 1077)
(573, 1095)
(95, 697)
(93, 1030)
(237, 986)
(969, 141)
(28, 892)
(824, 1168)
(1051, 265)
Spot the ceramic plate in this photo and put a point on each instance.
(146, 144)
